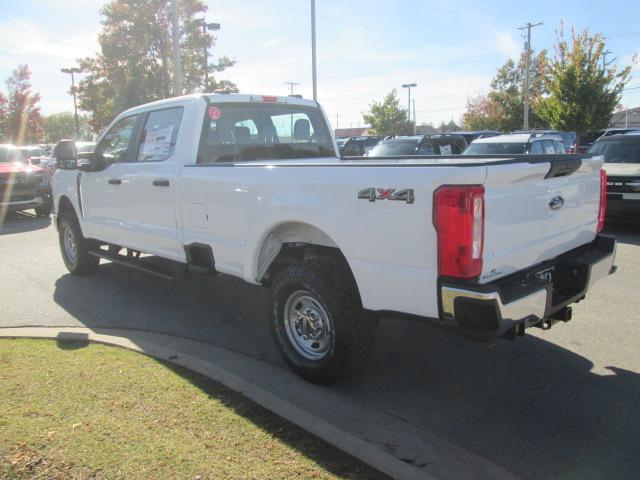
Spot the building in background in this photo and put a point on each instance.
(626, 118)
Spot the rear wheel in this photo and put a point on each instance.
(75, 248)
(317, 320)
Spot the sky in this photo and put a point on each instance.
(365, 48)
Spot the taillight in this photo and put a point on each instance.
(603, 200)
(458, 216)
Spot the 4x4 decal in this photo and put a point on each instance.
(373, 194)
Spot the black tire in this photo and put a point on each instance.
(331, 285)
(82, 263)
(43, 211)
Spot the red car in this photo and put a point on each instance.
(23, 186)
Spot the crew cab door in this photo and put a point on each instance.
(141, 190)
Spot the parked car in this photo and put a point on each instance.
(483, 247)
(470, 136)
(34, 154)
(23, 186)
(340, 141)
(617, 131)
(359, 146)
(404, 145)
(622, 163)
(568, 138)
(584, 142)
(517, 144)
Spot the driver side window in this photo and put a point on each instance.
(115, 144)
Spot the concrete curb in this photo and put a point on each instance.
(155, 345)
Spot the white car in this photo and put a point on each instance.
(253, 187)
(517, 144)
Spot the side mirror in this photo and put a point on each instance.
(65, 154)
(35, 160)
(91, 162)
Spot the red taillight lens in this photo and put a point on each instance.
(603, 200)
(458, 216)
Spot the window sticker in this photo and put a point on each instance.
(157, 142)
(214, 113)
(445, 150)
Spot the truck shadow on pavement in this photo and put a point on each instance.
(21, 222)
(531, 406)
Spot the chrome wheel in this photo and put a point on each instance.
(308, 325)
(70, 245)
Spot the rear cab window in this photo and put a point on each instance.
(236, 132)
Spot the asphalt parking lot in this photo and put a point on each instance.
(556, 404)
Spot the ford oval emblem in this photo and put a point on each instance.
(556, 203)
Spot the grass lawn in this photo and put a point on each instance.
(77, 410)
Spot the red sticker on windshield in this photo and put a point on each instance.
(214, 113)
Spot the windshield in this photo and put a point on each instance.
(496, 149)
(263, 131)
(10, 155)
(617, 151)
(394, 148)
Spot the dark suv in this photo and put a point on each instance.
(359, 146)
(622, 164)
(445, 144)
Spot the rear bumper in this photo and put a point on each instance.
(524, 299)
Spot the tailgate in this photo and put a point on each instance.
(537, 211)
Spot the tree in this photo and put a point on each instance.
(583, 93)
(503, 107)
(20, 119)
(63, 125)
(135, 64)
(387, 117)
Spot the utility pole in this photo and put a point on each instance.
(409, 86)
(314, 71)
(337, 121)
(528, 27)
(177, 65)
(414, 116)
(73, 70)
(213, 27)
(291, 85)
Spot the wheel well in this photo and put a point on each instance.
(293, 235)
(295, 252)
(64, 206)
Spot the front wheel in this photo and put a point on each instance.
(75, 248)
(317, 320)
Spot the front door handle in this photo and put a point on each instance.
(161, 183)
(115, 181)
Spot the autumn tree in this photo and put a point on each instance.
(20, 119)
(583, 93)
(135, 64)
(503, 107)
(387, 117)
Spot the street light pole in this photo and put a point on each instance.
(409, 86)
(314, 71)
(73, 70)
(213, 27)
(177, 65)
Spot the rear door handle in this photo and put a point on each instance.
(161, 183)
(115, 181)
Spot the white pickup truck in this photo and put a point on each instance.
(252, 186)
